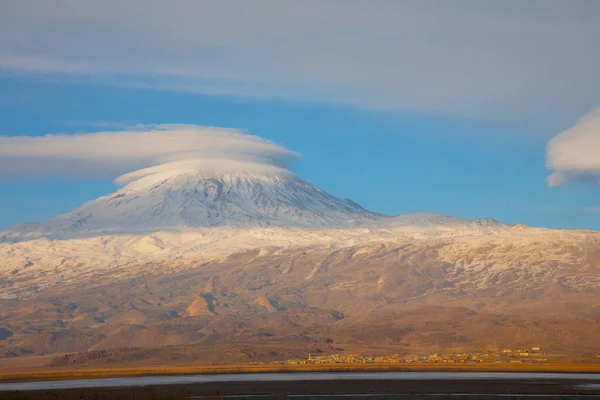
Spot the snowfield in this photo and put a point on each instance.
(181, 220)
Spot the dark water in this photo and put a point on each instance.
(323, 385)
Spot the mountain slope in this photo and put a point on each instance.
(195, 200)
(522, 287)
(192, 258)
(187, 201)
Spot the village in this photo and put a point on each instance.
(511, 356)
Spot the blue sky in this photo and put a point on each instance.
(388, 162)
(462, 138)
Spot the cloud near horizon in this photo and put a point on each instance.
(574, 155)
(130, 155)
(507, 60)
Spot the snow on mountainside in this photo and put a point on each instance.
(441, 220)
(197, 216)
(169, 223)
(195, 200)
(190, 199)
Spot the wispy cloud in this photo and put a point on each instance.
(574, 155)
(509, 59)
(133, 154)
(130, 125)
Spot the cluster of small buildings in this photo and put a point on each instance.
(508, 355)
(522, 352)
(336, 359)
(520, 355)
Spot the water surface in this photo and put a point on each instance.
(293, 377)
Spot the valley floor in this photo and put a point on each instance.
(36, 369)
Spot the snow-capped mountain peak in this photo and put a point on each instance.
(194, 194)
(192, 200)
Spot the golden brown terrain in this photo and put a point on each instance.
(32, 372)
(405, 297)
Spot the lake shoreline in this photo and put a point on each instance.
(415, 385)
(64, 373)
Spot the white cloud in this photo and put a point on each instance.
(509, 59)
(574, 155)
(147, 151)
